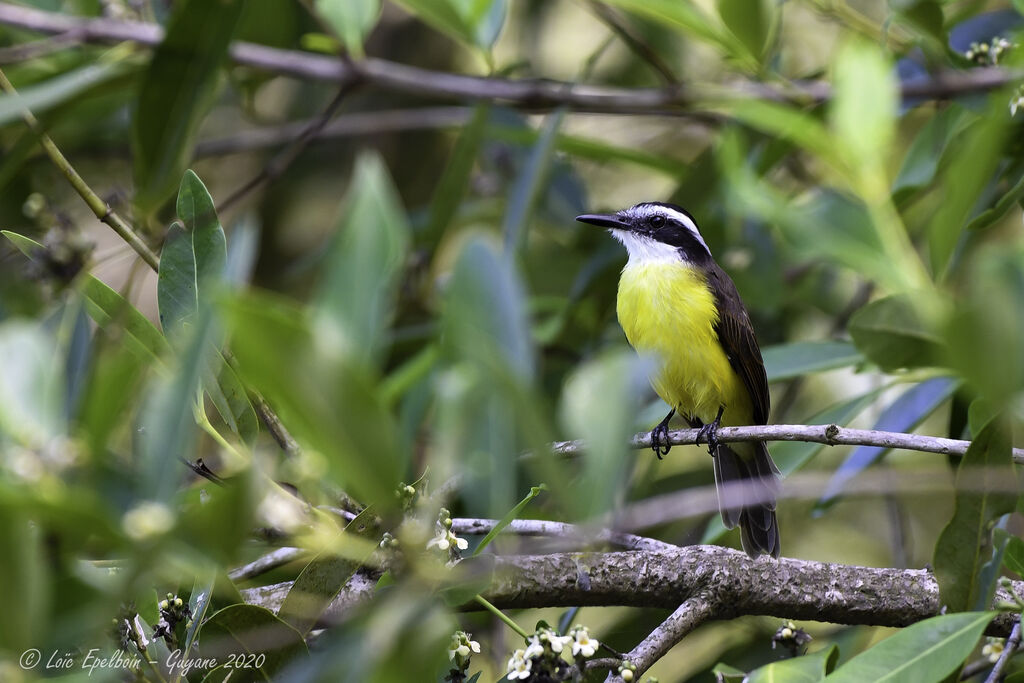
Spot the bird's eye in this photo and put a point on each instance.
(657, 221)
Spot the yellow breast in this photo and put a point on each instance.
(666, 309)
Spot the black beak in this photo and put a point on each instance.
(604, 220)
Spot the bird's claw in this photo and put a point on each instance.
(659, 435)
(710, 432)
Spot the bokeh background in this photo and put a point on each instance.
(409, 291)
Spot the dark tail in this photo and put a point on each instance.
(747, 487)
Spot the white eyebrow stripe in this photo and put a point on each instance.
(641, 211)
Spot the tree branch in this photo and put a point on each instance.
(732, 583)
(687, 617)
(830, 435)
(538, 527)
(532, 94)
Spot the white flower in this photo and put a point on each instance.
(519, 666)
(534, 649)
(460, 647)
(446, 539)
(582, 643)
(993, 649)
(1015, 104)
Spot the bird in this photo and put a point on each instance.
(676, 303)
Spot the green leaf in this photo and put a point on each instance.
(232, 401)
(986, 331)
(1002, 206)
(247, 629)
(922, 159)
(310, 386)
(600, 402)
(1013, 558)
(108, 308)
(783, 121)
(526, 189)
(925, 652)
(364, 264)
(891, 333)
(863, 110)
(176, 91)
(323, 578)
(476, 23)
(507, 519)
(727, 672)
(809, 668)
(193, 257)
(25, 581)
(751, 21)
(786, 361)
(965, 545)
(485, 317)
(105, 306)
(973, 163)
(44, 96)
(451, 188)
(167, 426)
(690, 19)
(31, 384)
(352, 20)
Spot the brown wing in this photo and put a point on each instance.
(736, 335)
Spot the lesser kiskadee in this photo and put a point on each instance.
(676, 303)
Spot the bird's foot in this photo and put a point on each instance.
(659, 436)
(710, 432)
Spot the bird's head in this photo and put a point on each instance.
(653, 231)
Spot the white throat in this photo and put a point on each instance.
(644, 250)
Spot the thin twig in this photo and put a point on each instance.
(99, 207)
(538, 527)
(634, 42)
(347, 125)
(530, 94)
(1009, 649)
(280, 163)
(39, 48)
(266, 563)
(830, 435)
(692, 613)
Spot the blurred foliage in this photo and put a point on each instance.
(416, 304)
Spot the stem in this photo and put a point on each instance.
(501, 615)
(100, 208)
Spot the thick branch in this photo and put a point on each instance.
(536, 94)
(831, 435)
(733, 583)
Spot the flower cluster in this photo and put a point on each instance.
(627, 671)
(993, 649)
(445, 538)
(988, 54)
(543, 656)
(791, 638)
(173, 611)
(461, 648)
